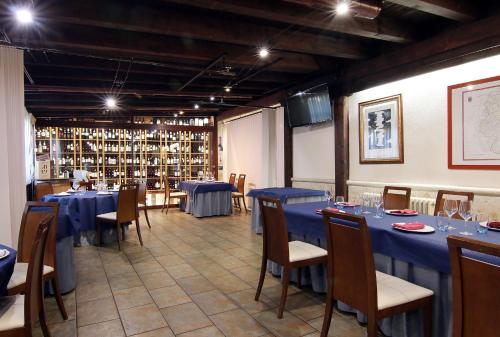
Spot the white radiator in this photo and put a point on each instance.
(421, 205)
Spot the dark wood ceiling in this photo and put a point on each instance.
(162, 56)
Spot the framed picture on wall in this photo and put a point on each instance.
(381, 131)
(474, 125)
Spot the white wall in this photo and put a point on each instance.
(12, 154)
(425, 129)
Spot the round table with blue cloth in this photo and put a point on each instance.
(207, 198)
(76, 225)
(6, 269)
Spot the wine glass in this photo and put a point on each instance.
(339, 202)
(366, 203)
(482, 221)
(378, 201)
(328, 198)
(450, 207)
(465, 210)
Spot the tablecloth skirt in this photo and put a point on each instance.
(208, 204)
(257, 219)
(65, 266)
(405, 325)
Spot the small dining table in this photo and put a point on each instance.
(418, 258)
(287, 195)
(6, 268)
(76, 225)
(207, 198)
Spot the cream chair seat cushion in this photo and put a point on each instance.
(20, 271)
(141, 205)
(237, 194)
(393, 291)
(11, 312)
(300, 251)
(111, 216)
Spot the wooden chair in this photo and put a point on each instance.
(171, 194)
(127, 211)
(476, 285)
(87, 184)
(142, 201)
(276, 248)
(232, 178)
(18, 314)
(42, 189)
(240, 195)
(441, 196)
(353, 280)
(397, 200)
(34, 212)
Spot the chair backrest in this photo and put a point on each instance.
(141, 197)
(241, 183)
(476, 287)
(42, 189)
(398, 200)
(275, 231)
(34, 212)
(232, 178)
(33, 300)
(351, 269)
(127, 203)
(87, 184)
(443, 194)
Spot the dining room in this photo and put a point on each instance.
(249, 169)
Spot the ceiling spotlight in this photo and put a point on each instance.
(24, 16)
(470, 87)
(212, 98)
(342, 8)
(227, 89)
(196, 106)
(175, 115)
(110, 103)
(181, 112)
(263, 52)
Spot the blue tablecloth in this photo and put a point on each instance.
(427, 250)
(6, 268)
(77, 212)
(284, 193)
(205, 187)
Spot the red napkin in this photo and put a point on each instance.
(409, 226)
(494, 224)
(331, 209)
(403, 211)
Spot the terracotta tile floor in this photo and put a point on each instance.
(192, 278)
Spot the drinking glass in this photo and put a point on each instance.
(339, 202)
(481, 220)
(378, 201)
(366, 203)
(464, 210)
(328, 198)
(450, 207)
(357, 210)
(442, 221)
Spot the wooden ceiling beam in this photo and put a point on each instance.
(267, 101)
(467, 42)
(380, 29)
(56, 107)
(157, 48)
(461, 10)
(190, 26)
(125, 92)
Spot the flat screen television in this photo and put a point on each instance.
(309, 107)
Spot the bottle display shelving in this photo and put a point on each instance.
(124, 155)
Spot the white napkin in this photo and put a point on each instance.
(63, 194)
(4, 253)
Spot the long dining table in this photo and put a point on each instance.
(418, 258)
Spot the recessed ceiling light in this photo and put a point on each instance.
(24, 16)
(175, 115)
(342, 8)
(110, 103)
(196, 106)
(470, 87)
(212, 98)
(263, 52)
(181, 112)
(227, 89)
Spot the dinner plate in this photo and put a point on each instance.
(104, 193)
(71, 191)
(347, 204)
(490, 228)
(62, 194)
(4, 253)
(388, 211)
(425, 230)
